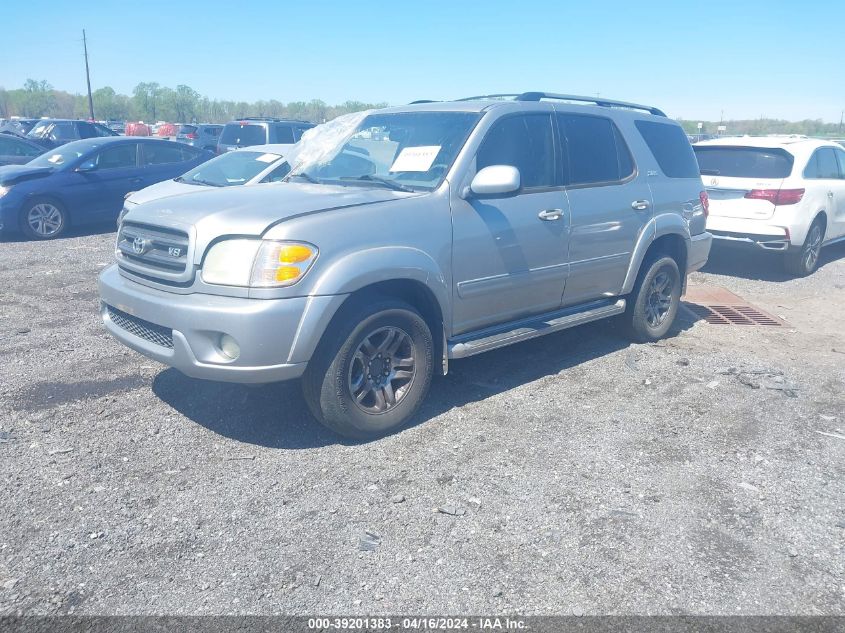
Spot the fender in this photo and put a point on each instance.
(358, 270)
(658, 226)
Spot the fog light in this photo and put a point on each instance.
(229, 347)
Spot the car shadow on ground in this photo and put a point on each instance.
(760, 265)
(101, 228)
(276, 416)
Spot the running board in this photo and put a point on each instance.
(522, 330)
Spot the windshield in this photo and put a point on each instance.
(234, 168)
(743, 162)
(405, 150)
(59, 156)
(38, 129)
(243, 134)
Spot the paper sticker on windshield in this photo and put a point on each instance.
(55, 158)
(268, 158)
(416, 158)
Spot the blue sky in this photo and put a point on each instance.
(693, 59)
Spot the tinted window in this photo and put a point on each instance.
(277, 174)
(187, 129)
(841, 156)
(822, 164)
(525, 142)
(86, 130)
(670, 147)
(299, 130)
(284, 134)
(62, 131)
(743, 162)
(595, 150)
(246, 134)
(116, 157)
(163, 153)
(11, 147)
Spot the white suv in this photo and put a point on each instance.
(782, 193)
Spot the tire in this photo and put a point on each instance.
(44, 219)
(653, 305)
(337, 384)
(804, 261)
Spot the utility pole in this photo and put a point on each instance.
(841, 118)
(88, 77)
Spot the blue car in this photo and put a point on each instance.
(84, 182)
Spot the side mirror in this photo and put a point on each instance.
(495, 179)
(88, 165)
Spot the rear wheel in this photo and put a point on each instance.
(44, 219)
(654, 303)
(370, 374)
(804, 261)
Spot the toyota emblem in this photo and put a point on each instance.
(139, 245)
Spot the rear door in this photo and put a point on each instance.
(731, 173)
(610, 203)
(836, 196)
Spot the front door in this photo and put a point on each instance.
(509, 252)
(98, 193)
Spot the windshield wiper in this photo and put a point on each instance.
(305, 176)
(200, 181)
(386, 182)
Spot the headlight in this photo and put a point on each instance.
(257, 263)
(4, 190)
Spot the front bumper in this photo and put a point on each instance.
(184, 331)
(699, 251)
(751, 233)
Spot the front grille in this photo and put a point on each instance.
(151, 332)
(154, 248)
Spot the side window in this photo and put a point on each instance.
(595, 150)
(163, 153)
(120, 156)
(822, 164)
(525, 142)
(28, 150)
(277, 174)
(298, 131)
(62, 131)
(189, 153)
(86, 130)
(284, 134)
(840, 155)
(7, 147)
(671, 148)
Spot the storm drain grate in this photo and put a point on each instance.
(721, 307)
(733, 315)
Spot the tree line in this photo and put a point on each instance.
(151, 102)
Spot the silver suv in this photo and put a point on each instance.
(413, 236)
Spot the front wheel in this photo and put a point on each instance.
(44, 219)
(654, 304)
(372, 371)
(804, 262)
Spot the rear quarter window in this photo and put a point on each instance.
(744, 162)
(671, 149)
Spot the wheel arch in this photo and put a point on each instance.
(668, 235)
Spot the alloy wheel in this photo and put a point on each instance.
(659, 300)
(812, 247)
(45, 219)
(382, 370)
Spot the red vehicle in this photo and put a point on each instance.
(138, 129)
(168, 129)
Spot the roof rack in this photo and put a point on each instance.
(537, 96)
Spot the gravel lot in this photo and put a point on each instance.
(584, 474)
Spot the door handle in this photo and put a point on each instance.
(550, 214)
(640, 205)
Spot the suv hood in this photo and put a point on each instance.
(252, 210)
(12, 174)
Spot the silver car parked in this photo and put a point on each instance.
(414, 236)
